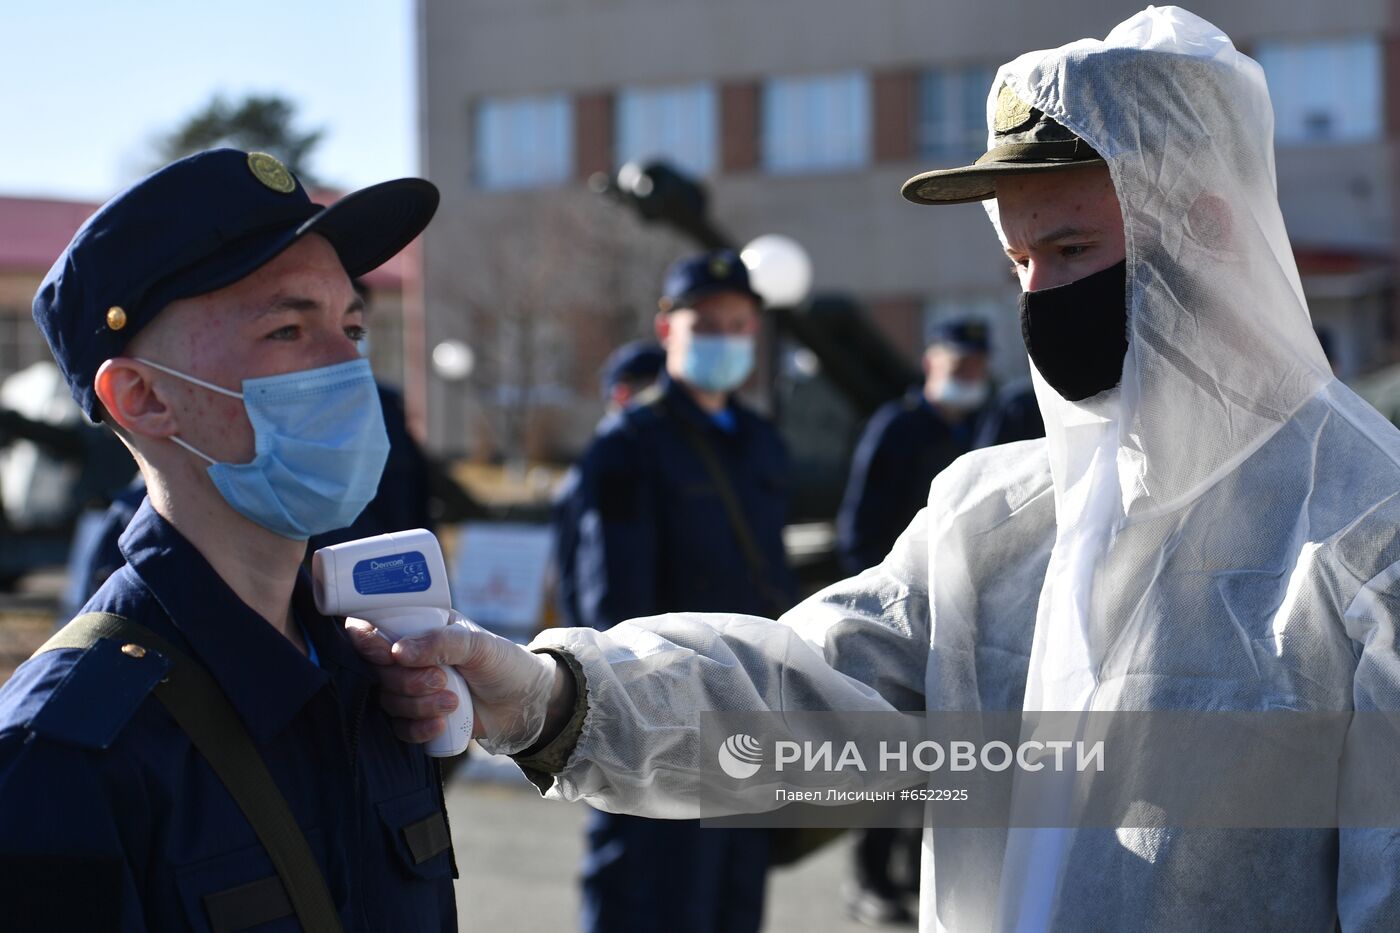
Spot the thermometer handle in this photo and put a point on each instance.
(398, 624)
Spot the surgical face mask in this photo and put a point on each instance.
(1077, 334)
(320, 448)
(962, 394)
(717, 364)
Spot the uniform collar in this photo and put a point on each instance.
(679, 400)
(263, 675)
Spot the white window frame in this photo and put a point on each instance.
(522, 142)
(678, 123)
(1328, 90)
(960, 126)
(816, 123)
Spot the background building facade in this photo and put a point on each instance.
(804, 117)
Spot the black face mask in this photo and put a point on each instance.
(1077, 334)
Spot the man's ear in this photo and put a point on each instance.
(662, 325)
(126, 390)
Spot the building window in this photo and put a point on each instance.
(1325, 90)
(677, 124)
(525, 142)
(816, 124)
(952, 115)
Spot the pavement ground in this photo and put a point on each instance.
(519, 858)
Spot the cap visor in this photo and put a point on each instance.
(683, 301)
(369, 226)
(976, 182)
(366, 228)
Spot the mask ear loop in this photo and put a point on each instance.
(194, 450)
(199, 382)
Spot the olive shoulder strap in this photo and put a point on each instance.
(201, 709)
(775, 602)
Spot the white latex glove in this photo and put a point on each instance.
(511, 687)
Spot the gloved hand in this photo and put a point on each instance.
(511, 687)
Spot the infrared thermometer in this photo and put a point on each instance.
(397, 583)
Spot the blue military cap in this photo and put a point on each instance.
(640, 359)
(966, 335)
(706, 274)
(194, 226)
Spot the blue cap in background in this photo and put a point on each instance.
(966, 335)
(197, 225)
(634, 362)
(695, 277)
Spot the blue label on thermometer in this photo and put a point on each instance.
(392, 573)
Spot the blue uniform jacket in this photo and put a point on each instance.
(564, 521)
(653, 535)
(904, 446)
(1013, 416)
(109, 818)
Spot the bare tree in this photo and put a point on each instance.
(558, 277)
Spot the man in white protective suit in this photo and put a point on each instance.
(1211, 524)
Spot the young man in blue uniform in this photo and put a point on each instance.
(655, 535)
(206, 315)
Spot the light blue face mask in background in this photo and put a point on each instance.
(718, 363)
(320, 448)
(963, 394)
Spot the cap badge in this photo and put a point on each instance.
(270, 172)
(116, 317)
(1012, 112)
(719, 268)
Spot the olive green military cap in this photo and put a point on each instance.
(1026, 142)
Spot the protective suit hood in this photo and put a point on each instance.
(1221, 350)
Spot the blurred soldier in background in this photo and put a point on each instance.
(1012, 416)
(909, 441)
(630, 370)
(682, 500)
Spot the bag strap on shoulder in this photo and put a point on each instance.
(733, 510)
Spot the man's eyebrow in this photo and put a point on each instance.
(302, 303)
(1060, 233)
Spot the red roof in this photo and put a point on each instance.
(34, 231)
(1335, 260)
